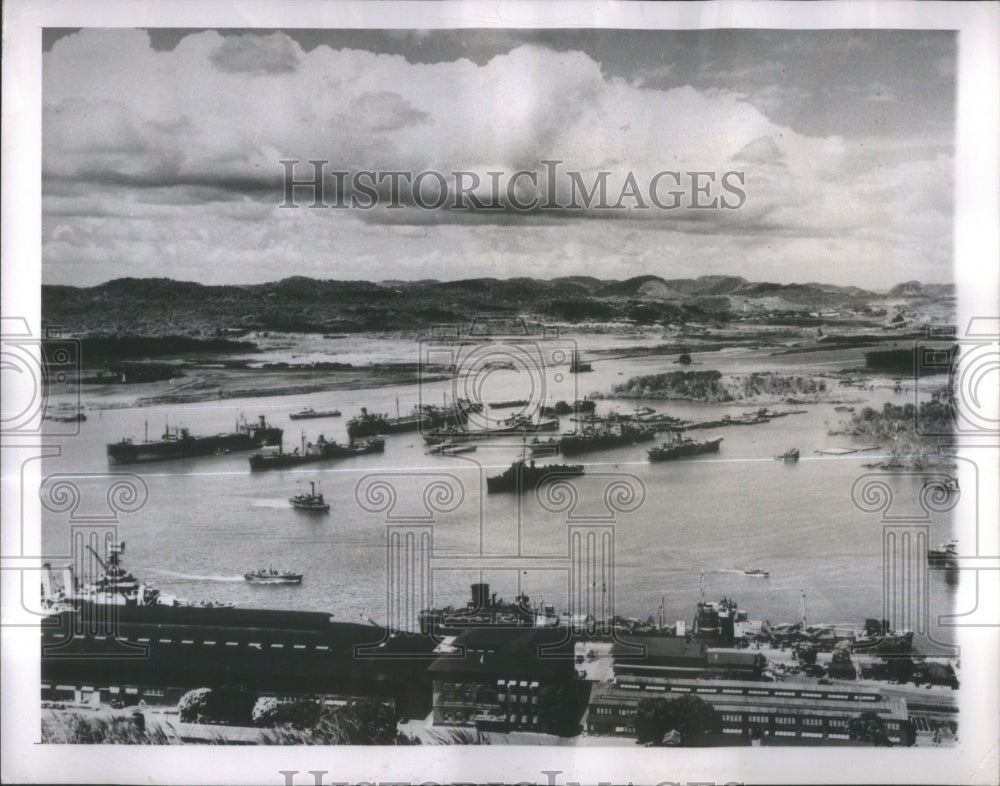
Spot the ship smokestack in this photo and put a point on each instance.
(480, 596)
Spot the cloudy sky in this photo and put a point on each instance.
(161, 152)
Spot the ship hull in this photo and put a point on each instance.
(680, 451)
(168, 450)
(526, 478)
(260, 462)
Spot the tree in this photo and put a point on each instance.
(689, 715)
(868, 727)
(559, 710)
(653, 718)
(694, 716)
(194, 705)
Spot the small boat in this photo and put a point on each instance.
(312, 501)
(791, 454)
(843, 409)
(757, 573)
(309, 412)
(272, 576)
(450, 449)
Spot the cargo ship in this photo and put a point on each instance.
(518, 425)
(523, 476)
(485, 610)
(680, 446)
(178, 443)
(309, 412)
(321, 450)
(423, 417)
(599, 435)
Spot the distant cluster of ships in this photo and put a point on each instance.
(446, 431)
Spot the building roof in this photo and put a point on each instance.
(658, 650)
(509, 652)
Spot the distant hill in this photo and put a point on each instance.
(164, 307)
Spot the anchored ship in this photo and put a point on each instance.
(789, 455)
(522, 475)
(309, 412)
(576, 366)
(321, 450)
(179, 443)
(312, 501)
(682, 446)
(598, 435)
(422, 418)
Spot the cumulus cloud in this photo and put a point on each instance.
(186, 143)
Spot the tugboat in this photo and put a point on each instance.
(522, 476)
(311, 502)
(788, 455)
(321, 450)
(682, 446)
(309, 412)
(179, 443)
(272, 576)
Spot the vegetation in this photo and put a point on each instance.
(869, 727)
(357, 723)
(772, 384)
(688, 385)
(229, 704)
(908, 430)
(690, 716)
(77, 729)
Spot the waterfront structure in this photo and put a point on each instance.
(774, 712)
(163, 651)
(498, 678)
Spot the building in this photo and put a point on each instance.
(503, 679)
(157, 653)
(775, 712)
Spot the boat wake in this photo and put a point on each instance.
(190, 577)
(271, 503)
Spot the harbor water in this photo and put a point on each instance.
(699, 522)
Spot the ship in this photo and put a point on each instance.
(179, 443)
(576, 366)
(312, 501)
(272, 576)
(518, 425)
(114, 586)
(450, 449)
(682, 446)
(309, 412)
(485, 610)
(582, 406)
(523, 476)
(423, 417)
(521, 402)
(598, 435)
(321, 450)
(789, 455)
(758, 573)
(944, 556)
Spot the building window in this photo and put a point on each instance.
(785, 720)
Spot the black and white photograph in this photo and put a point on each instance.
(394, 382)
